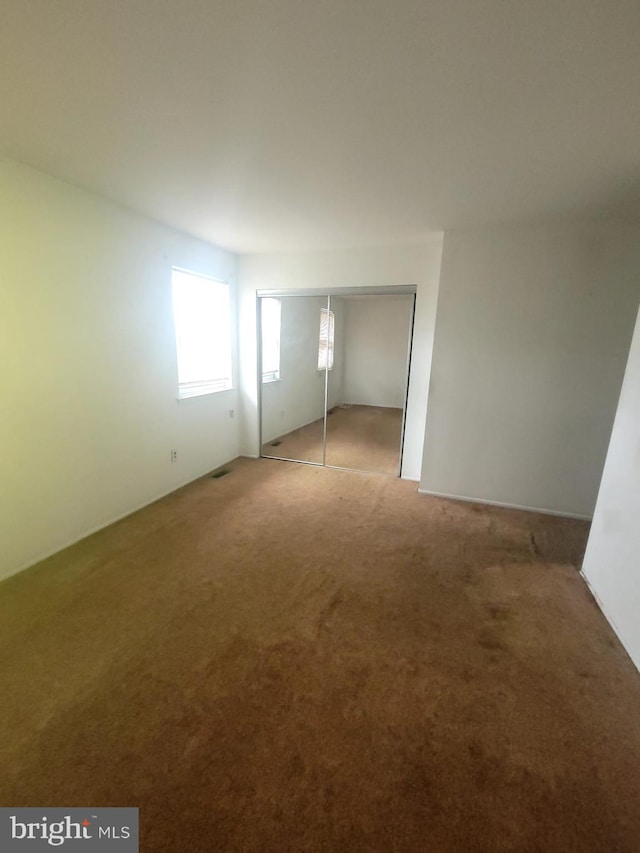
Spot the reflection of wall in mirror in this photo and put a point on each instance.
(377, 332)
(297, 398)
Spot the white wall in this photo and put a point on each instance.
(380, 266)
(88, 375)
(611, 564)
(375, 350)
(533, 330)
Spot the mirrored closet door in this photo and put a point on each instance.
(293, 385)
(334, 376)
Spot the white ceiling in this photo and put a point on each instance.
(290, 124)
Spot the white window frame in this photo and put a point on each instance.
(326, 342)
(203, 368)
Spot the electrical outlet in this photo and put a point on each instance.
(232, 413)
(174, 455)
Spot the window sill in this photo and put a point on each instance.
(191, 395)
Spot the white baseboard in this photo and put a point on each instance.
(541, 510)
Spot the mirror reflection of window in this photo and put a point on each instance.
(271, 320)
(326, 344)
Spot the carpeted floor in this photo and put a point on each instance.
(293, 658)
(362, 438)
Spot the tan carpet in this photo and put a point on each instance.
(366, 438)
(297, 659)
(363, 438)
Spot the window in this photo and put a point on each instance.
(202, 318)
(325, 349)
(270, 313)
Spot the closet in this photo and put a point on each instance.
(334, 369)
